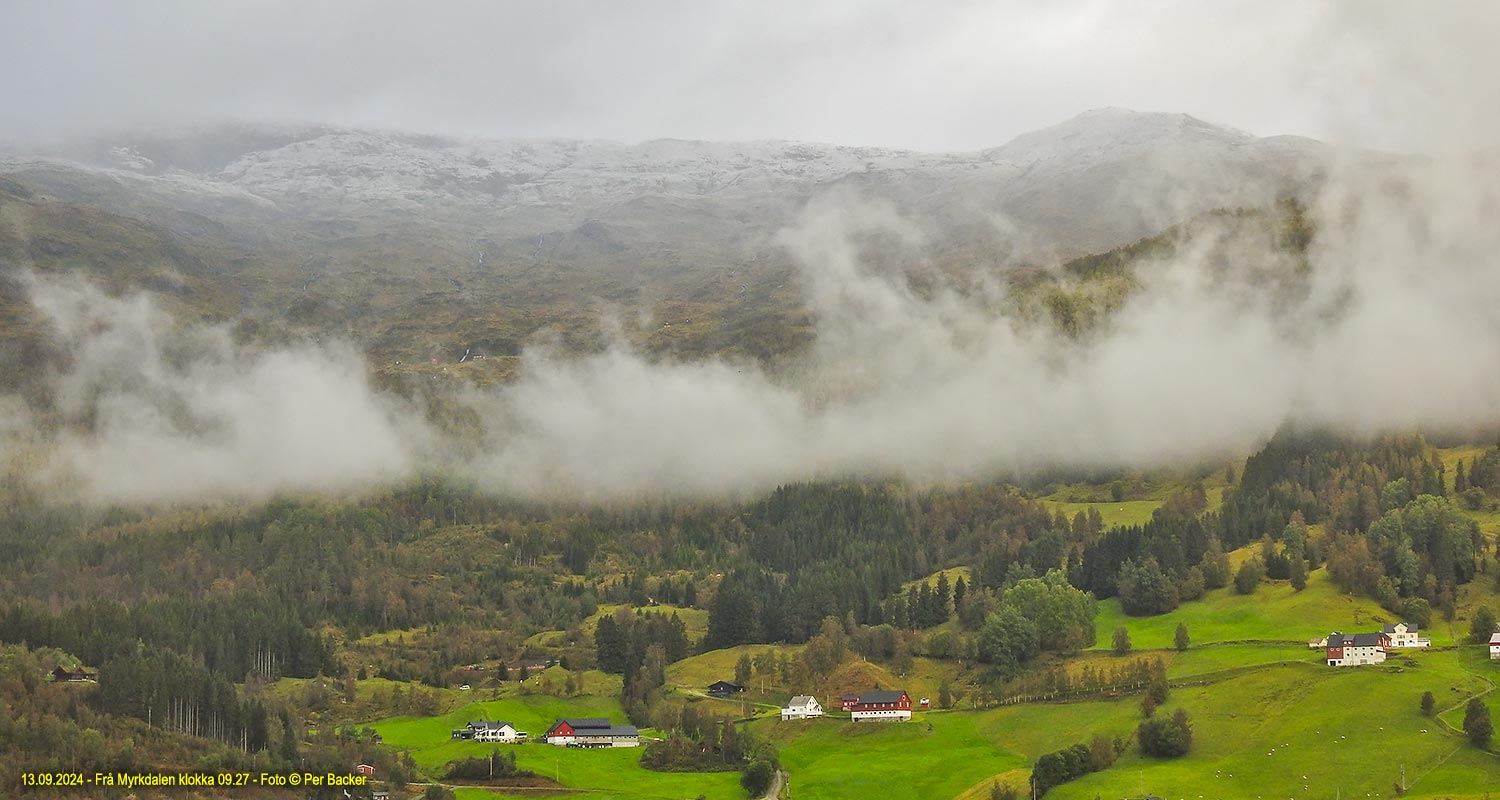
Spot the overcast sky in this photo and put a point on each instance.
(929, 75)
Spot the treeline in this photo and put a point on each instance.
(176, 694)
(1388, 529)
(1391, 531)
(233, 636)
(814, 551)
(1332, 480)
(172, 662)
(622, 640)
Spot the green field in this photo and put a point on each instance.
(609, 773)
(697, 672)
(1256, 735)
(1274, 613)
(1125, 512)
(1348, 731)
(935, 755)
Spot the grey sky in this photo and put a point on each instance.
(932, 75)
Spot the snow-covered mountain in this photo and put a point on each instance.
(1092, 182)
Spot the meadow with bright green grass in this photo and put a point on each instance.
(1275, 612)
(605, 773)
(1258, 734)
(937, 755)
(1125, 512)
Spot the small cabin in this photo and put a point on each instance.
(724, 688)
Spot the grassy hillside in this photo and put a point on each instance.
(1274, 613)
(1256, 735)
(935, 755)
(609, 773)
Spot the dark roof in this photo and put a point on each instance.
(585, 722)
(725, 686)
(1367, 639)
(609, 730)
(480, 724)
(594, 726)
(881, 697)
(1410, 628)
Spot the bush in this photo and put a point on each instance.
(495, 765)
(1477, 723)
(757, 777)
(1249, 576)
(1057, 768)
(1428, 702)
(1121, 641)
(1162, 737)
(1482, 626)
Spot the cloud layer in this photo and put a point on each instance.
(1392, 323)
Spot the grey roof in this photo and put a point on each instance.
(586, 722)
(880, 697)
(609, 730)
(1366, 639)
(1410, 628)
(597, 726)
(800, 700)
(480, 724)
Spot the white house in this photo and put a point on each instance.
(485, 731)
(1495, 647)
(801, 707)
(1404, 634)
(1354, 649)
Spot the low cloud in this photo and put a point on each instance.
(1390, 323)
(149, 411)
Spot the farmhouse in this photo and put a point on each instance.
(73, 675)
(591, 732)
(1353, 649)
(881, 705)
(801, 707)
(1495, 647)
(484, 731)
(1404, 634)
(724, 688)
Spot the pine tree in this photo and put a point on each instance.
(1181, 636)
(940, 599)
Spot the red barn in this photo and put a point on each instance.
(881, 705)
